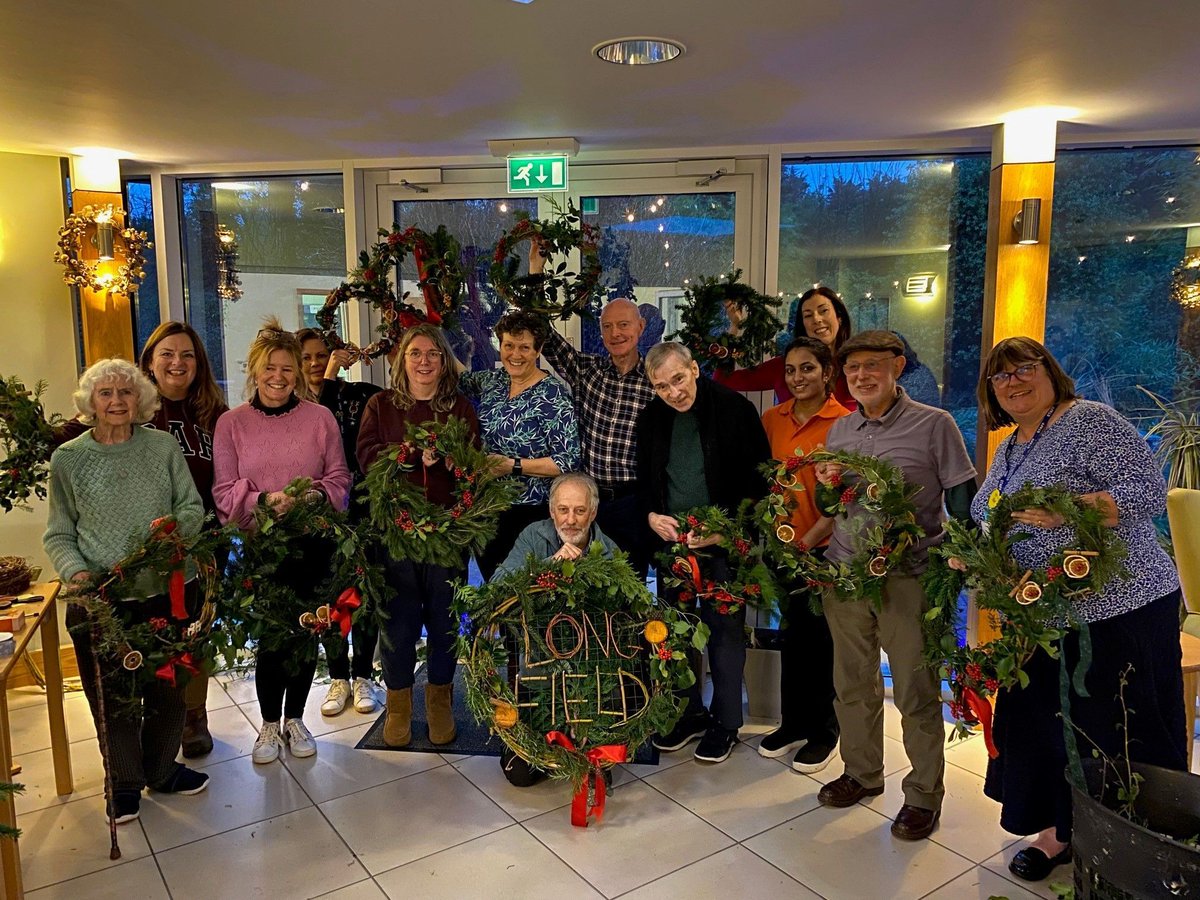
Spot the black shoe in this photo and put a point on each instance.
(688, 729)
(1032, 864)
(126, 806)
(184, 781)
(518, 772)
(815, 755)
(779, 743)
(717, 744)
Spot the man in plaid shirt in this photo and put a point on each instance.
(610, 390)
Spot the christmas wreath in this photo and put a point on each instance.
(888, 529)
(256, 607)
(28, 440)
(87, 274)
(599, 661)
(554, 292)
(1032, 608)
(440, 277)
(750, 583)
(413, 527)
(702, 323)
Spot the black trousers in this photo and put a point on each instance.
(624, 520)
(421, 595)
(806, 691)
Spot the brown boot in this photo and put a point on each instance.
(196, 740)
(397, 726)
(439, 709)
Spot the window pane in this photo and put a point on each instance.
(291, 246)
(139, 207)
(1123, 220)
(652, 247)
(903, 242)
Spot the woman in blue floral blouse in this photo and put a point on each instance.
(528, 425)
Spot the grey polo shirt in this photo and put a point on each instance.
(925, 443)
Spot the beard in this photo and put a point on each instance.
(578, 537)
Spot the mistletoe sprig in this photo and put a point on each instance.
(413, 527)
(587, 630)
(28, 441)
(440, 278)
(78, 273)
(751, 582)
(1032, 607)
(702, 320)
(554, 292)
(872, 495)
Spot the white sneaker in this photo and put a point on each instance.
(337, 698)
(268, 745)
(299, 739)
(364, 696)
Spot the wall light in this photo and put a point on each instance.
(1028, 220)
(104, 235)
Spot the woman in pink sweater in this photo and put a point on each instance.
(258, 449)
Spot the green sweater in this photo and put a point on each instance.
(103, 498)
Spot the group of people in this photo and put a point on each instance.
(614, 450)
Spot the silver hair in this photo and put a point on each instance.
(588, 482)
(658, 354)
(119, 370)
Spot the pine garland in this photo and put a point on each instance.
(28, 441)
(7, 789)
(702, 323)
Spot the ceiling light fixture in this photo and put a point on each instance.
(639, 51)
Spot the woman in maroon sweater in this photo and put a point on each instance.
(424, 389)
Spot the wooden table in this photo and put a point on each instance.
(41, 615)
(1191, 686)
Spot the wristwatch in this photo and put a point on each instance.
(516, 466)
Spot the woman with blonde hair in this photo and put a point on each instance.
(424, 389)
(258, 450)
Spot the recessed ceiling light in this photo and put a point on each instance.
(639, 51)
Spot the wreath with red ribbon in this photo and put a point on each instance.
(554, 292)
(702, 323)
(440, 278)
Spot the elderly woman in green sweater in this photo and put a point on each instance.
(106, 488)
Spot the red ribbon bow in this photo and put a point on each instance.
(348, 601)
(163, 529)
(982, 710)
(612, 753)
(167, 670)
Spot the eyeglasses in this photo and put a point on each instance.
(870, 367)
(430, 356)
(1021, 373)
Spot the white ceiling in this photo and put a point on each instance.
(187, 83)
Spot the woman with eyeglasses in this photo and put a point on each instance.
(424, 389)
(1088, 448)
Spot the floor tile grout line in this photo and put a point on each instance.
(787, 874)
(462, 843)
(550, 850)
(112, 864)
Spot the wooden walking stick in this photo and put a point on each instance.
(102, 733)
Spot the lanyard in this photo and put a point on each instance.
(1009, 469)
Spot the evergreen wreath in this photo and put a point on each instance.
(1032, 608)
(28, 441)
(554, 292)
(751, 582)
(256, 608)
(408, 524)
(877, 488)
(87, 274)
(440, 277)
(702, 321)
(601, 660)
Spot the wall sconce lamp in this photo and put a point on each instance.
(1028, 220)
(104, 235)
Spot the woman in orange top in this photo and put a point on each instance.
(808, 723)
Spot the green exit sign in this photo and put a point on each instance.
(530, 174)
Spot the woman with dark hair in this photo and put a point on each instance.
(527, 420)
(424, 389)
(258, 450)
(1088, 448)
(191, 403)
(822, 315)
(347, 400)
(808, 723)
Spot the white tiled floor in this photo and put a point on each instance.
(355, 824)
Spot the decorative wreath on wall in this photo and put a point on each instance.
(888, 531)
(702, 320)
(554, 292)
(751, 582)
(440, 277)
(413, 527)
(599, 661)
(1032, 608)
(79, 273)
(28, 440)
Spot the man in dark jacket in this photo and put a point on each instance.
(700, 444)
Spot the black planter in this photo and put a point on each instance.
(1117, 859)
